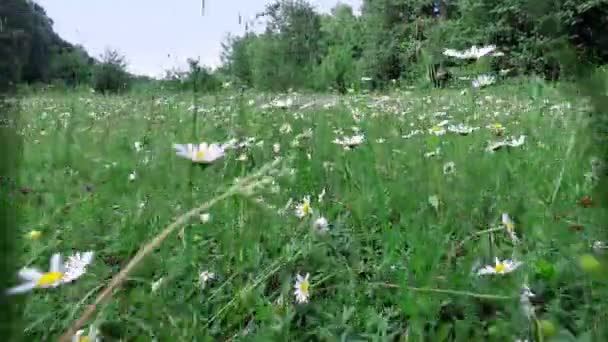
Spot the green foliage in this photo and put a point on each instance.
(402, 39)
(73, 67)
(110, 75)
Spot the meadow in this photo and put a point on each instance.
(435, 186)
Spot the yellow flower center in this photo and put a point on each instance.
(497, 126)
(436, 128)
(34, 234)
(49, 278)
(306, 208)
(84, 339)
(304, 287)
(500, 268)
(199, 154)
(510, 226)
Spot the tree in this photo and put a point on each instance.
(110, 75)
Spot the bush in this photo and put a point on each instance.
(110, 75)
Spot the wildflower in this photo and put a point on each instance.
(434, 201)
(472, 53)
(509, 227)
(205, 217)
(138, 146)
(33, 278)
(461, 129)
(483, 81)
(90, 337)
(304, 208)
(132, 176)
(437, 130)
(500, 267)
(302, 287)
(76, 266)
(285, 128)
(202, 153)
(276, 148)
(496, 128)
(321, 224)
(449, 168)
(350, 142)
(495, 146)
(34, 235)
(516, 142)
(156, 285)
(599, 246)
(205, 277)
(432, 153)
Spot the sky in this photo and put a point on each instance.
(156, 35)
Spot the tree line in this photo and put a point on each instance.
(389, 42)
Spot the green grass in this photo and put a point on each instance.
(391, 267)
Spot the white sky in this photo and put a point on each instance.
(155, 35)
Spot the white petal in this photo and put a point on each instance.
(30, 274)
(56, 265)
(25, 287)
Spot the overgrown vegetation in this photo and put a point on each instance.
(465, 214)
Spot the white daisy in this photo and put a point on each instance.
(156, 284)
(138, 146)
(301, 289)
(437, 130)
(509, 227)
(304, 208)
(90, 337)
(350, 142)
(483, 81)
(205, 217)
(76, 266)
(132, 176)
(285, 128)
(34, 278)
(500, 267)
(516, 142)
(321, 224)
(449, 168)
(202, 153)
(472, 53)
(461, 129)
(204, 277)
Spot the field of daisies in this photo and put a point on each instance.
(435, 215)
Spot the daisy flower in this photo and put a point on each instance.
(437, 130)
(304, 208)
(483, 81)
(301, 289)
(496, 128)
(90, 337)
(321, 224)
(449, 168)
(500, 267)
(34, 235)
(202, 153)
(34, 278)
(350, 142)
(76, 266)
(285, 128)
(204, 277)
(509, 227)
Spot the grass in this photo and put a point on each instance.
(391, 267)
